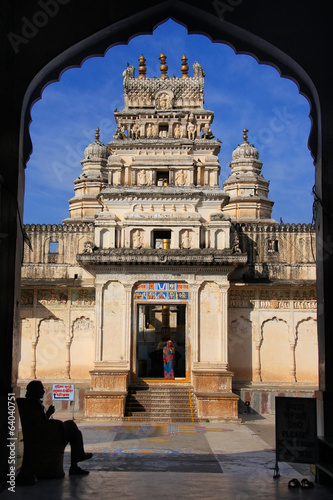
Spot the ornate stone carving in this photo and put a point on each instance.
(191, 128)
(177, 131)
(198, 72)
(206, 132)
(138, 239)
(186, 241)
(143, 178)
(88, 247)
(181, 178)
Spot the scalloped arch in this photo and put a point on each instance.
(309, 318)
(274, 318)
(198, 22)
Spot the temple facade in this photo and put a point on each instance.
(154, 250)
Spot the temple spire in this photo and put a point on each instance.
(184, 67)
(245, 131)
(142, 67)
(97, 134)
(163, 67)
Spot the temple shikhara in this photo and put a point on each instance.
(155, 250)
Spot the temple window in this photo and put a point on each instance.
(273, 246)
(162, 178)
(54, 245)
(162, 239)
(163, 131)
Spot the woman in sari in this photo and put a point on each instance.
(169, 361)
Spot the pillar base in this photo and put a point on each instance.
(106, 399)
(213, 389)
(104, 404)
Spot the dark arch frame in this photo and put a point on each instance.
(240, 40)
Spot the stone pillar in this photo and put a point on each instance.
(98, 321)
(211, 379)
(224, 323)
(257, 365)
(194, 321)
(175, 241)
(68, 359)
(33, 359)
(292, 364)
(128, 315)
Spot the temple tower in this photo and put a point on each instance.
(161, 254)
(247, 188)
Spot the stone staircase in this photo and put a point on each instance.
(161, 403)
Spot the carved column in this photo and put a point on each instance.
(224, 323)
(257, 364)
(33, 359)
(68, 359)
(195, 322)
(128, 314)
(98, 321)
(207, 238)
(292, 363)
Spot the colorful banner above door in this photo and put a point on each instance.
(162, 291)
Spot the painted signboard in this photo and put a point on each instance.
(63, 392)
(162, 291)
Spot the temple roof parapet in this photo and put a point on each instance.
(164, 92)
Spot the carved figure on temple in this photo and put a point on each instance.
(143, 179)
(235, 247)
(180, 178)
(120, 133)
(177, 133)
(150, 131)
(88, 247)
(129, 72)
(186, 240)
(206, 132)
(198, 72)
(164, 101)
(138, 239)
(135, 131)
(191, 131)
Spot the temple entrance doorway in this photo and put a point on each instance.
(156, 324)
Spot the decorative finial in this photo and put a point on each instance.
(163, 67)
(142, 67)
(97, 135)
(245, 131)
(184, 67)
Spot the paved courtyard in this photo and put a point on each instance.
(201, 460)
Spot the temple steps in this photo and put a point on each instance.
(161, 404)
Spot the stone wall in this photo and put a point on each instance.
(57, 333)
(54, 244)
(273, 334)
(278, 251)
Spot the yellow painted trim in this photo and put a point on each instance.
(189, 397)
(160, 380)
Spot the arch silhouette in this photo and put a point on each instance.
(240, 40)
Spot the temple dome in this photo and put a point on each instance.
(245, 150)
(96, 149)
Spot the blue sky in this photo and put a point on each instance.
(241, 93)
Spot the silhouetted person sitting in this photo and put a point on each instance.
(73, 436)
